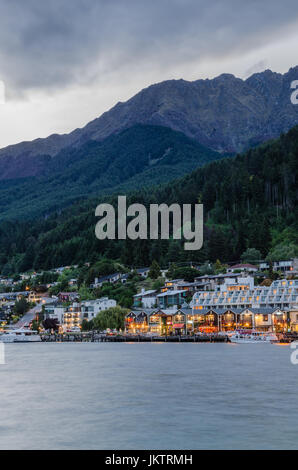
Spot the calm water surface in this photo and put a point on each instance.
(148, 396)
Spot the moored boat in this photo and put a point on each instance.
(253, 337)
(4, 338)
(20, 336)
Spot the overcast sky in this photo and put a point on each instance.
(65, 62)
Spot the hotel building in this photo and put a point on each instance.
(241, 293)
(235, 304)
(71, 316)
(238, 303)
(157, 321)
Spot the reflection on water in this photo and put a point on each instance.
(148, 396)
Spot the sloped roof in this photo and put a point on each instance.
(147, 292)
(202, 311)
(186, 311)
(171, 292)
(247, 265)
(261, 310)
(138, 312)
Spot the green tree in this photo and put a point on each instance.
(87, 325)
(219, 268)
(283, 251)
(251, 255)
(154, 272)
(85, 293)
(206, 268)
(158, 284)
(21, 306)
(112, 318)
(186, 273)
(126, 301)
(35, 325)
(171, 271)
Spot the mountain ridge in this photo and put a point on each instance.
(226, 114)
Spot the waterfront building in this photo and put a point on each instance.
(168, 321)
(54, 311)
(242, 293)
(188, 321)
(71, 316)
(263, 319)
(90, 308)
(157, 321)
(293, 313)
(136, 321)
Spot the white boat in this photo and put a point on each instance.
(4, 338)
(253, 337)
(20, 336)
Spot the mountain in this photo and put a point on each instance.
(226, 114)
(250, 201)
(135, 158)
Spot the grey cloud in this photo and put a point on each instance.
(48, 45)
(260, 66)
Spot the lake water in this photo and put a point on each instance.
(148, 396)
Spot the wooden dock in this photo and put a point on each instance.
(167, 339)
(97, 337)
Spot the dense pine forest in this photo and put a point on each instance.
(250, 201)
(136, 157)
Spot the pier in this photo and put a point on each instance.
(166, 339)
(102, 338)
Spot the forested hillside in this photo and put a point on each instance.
(137, 157)
(249, 201)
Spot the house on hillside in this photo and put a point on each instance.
(143, 272)
(179, 284)
(245, 268)
(145, 299)
(209, 281)
(287, 267)
(124, 278)
(67, 296)
(110, 278)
